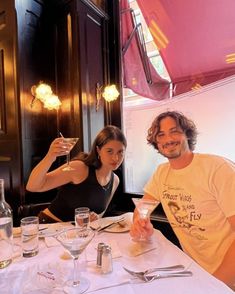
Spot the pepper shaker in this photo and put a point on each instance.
(99, 254)
(107, 263)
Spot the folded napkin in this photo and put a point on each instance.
(135, 248)
(34, 279)
(51, 242)
(91, 250)
(103, 281)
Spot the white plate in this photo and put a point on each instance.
(116, 228)
(50, 230)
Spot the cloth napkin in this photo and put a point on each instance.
(51, 242)
(103, 281)
(35, 279)
(137, 248)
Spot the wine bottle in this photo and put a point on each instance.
(6, 224)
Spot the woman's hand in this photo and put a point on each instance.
(58, 148)
(141, 228)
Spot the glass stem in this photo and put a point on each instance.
(76, 273)
(68, 158)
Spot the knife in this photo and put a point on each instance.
(111, 224)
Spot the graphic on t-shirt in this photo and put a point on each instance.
(183, 211)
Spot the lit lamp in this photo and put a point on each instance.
(52, 102)
(110, 94)
(43, 92)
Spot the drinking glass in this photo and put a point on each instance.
(82, 217)
(29, 235)
(71, 142)
(75, 241)
(144, 207)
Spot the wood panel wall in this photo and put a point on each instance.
(64, 43)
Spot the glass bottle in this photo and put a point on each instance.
(6, 224)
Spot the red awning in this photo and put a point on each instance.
(138, 73)
(196, 39)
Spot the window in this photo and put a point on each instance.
(129, 96)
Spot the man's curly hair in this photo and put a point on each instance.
(185, 124)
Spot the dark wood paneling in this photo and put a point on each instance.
(10, 155)
(64, 43)
(2, 95)
(25, 132)
(92, 65)
(81, 33)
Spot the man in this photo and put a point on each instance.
(197, 192)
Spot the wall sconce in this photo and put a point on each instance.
(110, 94)
(43, 92)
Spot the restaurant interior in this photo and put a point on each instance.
(78, 47)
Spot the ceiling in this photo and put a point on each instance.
(195, 38)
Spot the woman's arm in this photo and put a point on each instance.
(39, 180)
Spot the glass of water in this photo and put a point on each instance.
(82, 217)
(29, 236)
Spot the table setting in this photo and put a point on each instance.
(163, 266)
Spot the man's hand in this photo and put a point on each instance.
(141, 228)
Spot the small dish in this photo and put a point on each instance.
(50, 230)
(119, 228)
(124, 225)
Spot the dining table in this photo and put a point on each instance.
(48, 270)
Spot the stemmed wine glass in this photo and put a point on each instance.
(144, 207)
(75, 241)
(71, 142)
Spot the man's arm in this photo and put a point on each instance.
(141, 227)
(226, 270)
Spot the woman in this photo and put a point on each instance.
(91, 183)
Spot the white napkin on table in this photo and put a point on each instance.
(135, 248)
(51, 242)
(103, 281)
(40, 279)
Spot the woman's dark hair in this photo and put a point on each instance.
(186, 125)
(107, 134)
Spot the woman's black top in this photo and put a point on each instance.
(89, 193)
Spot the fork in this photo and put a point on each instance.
(149, 271)
(144, 275)
(110, 225)
(166, 275)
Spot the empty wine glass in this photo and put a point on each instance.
(71, 142)
(144, 207)
(75, 241)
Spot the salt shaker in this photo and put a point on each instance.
(107, 263)
(99, 254)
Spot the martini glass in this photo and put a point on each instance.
(75, 240)
(144, 207)
(71, 143)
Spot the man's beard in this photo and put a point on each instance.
(175, 154)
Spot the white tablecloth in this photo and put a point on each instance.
(27, 275)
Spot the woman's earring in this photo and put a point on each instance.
(98, 156)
